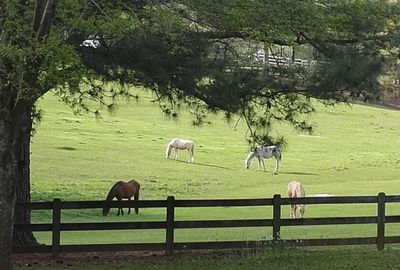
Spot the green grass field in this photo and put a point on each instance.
(354, 151)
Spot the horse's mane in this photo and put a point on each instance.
(111, 193)
(251, 154)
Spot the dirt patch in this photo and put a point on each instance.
(104, 258)
(81, 259)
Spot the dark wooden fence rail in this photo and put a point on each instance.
(170, 224)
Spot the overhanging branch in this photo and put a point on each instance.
(44, 13)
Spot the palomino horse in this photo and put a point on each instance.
(122, 190)
(180, 144)
(296, 190)
(262, 152)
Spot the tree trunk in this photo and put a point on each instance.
(6, 213)
(44, 13)
(7, 185)
(13, 122)
(22, 214)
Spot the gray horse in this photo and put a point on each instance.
(262, 152)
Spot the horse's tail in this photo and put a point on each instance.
(110, 196)
(168, 151)
(301, 193)
(136, 197)
(192, 152)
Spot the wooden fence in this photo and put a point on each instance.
(276, 60)
(170, 224)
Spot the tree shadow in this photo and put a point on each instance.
(68, 148)
(299, 173)
(204, 164)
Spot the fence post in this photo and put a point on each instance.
(55, 243)
(380, 240)
(276, 222)
(169, 236)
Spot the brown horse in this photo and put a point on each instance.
(122, 190)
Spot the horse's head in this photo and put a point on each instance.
(248, 159)
(106, 210)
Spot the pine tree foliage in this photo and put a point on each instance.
(188, 53)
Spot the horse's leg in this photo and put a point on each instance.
(122, 210)
(190, 155)
(302, 209)
(176, 154)
(119, 208)
(129, 209)
(136, 196)
(261, 164)
(276, 165)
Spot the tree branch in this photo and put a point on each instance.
(46, 16)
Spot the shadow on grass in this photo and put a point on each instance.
(69, 148)
(204, 164)
(299, 173)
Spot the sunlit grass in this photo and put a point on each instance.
(354, 151)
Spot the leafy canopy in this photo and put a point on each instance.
(195, 53)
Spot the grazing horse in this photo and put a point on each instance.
(262, 152)
(180, 144)
(122, 190)
(296, 190)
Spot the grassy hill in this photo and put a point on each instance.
(355, 151)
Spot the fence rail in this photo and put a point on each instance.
(170, 224)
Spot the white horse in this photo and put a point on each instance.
(262, 152)
(180, 144)
(296, 190)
